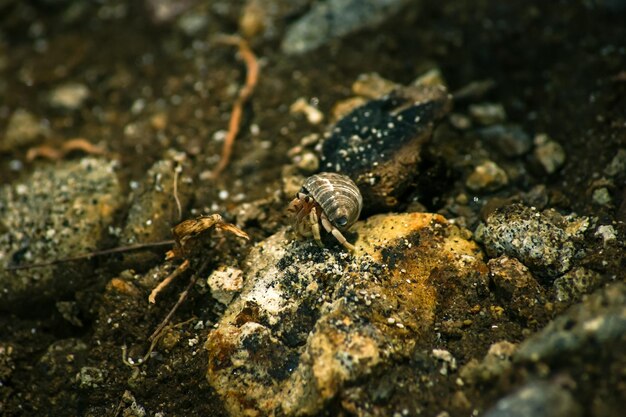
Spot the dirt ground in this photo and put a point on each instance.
(557, 67)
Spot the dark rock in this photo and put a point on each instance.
(586, 330)
(378, 145)
(510, 140)
(517, 290)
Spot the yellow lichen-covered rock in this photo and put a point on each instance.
(309, 321)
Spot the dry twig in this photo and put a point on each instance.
(181, 268)
(246, 91)
(183, 295)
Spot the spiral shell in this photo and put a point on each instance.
(337, 195)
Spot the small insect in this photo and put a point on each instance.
(331, 199)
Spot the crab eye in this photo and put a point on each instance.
(341, 221)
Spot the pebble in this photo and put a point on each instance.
(549, 153)
(601, 196)
(517, 289)
(530, 236)
(312, 113)
(487, 113)
(510, 140)
(576, 283)
(617, 166)
(372, 86)
(70, 96)
(23, 129)
(487, 176)
(333, 19)
(607, 233)
(225, 283)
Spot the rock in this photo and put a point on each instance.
(576, 283)
(7, 362)
(509, 140)
(90, 377)
(372, 86)
(537, 399)
(607, 233)
(487, 176)
(153, 211)
(59, 211)
(327, 20)
(22, 130)
(497, 362)
(431, 78)
(162, 11)
(378, 145)
(487, 113)
(549, 153)
(312, 113)
(617, 165)
(225, 282)
(517, 290)
(447, 360)
(310, 321)
(193, 23)
(601, 196)
(70, 96)
(524, 233)
(586, 331)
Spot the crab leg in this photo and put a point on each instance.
(315, 226)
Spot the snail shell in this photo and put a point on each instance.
(337, 195)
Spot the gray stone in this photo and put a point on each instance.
(332, 19)
(530, 236)
(617, 165)
(537, 399)
(576, 283)
(59, 211)
(598, 323)
(510, 140)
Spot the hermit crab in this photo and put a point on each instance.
(328, 198)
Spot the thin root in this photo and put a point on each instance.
(177, 172)
(246, 91)
(181, 268)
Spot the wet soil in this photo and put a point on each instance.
(558, 67)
